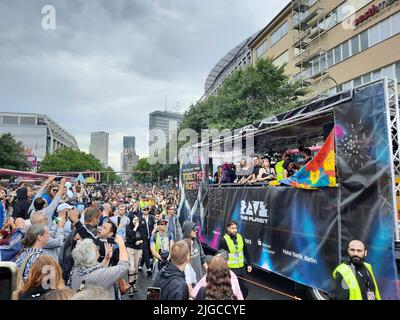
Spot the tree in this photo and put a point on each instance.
(66, 160)
(110, 176)
(12, 154)
(142, 165)
(69, 160)
(247, 96)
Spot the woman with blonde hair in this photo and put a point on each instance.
(44, 276)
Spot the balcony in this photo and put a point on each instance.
(311, 14)
(306, 14)
(317, 75)
(301, 44)
(300, 25)
(313, 55)
(315, 32)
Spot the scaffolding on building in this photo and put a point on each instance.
(309, 40)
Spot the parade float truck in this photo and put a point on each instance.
(300, 227)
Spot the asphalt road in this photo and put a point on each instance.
(262, 286)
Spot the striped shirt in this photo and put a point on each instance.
(31, 260)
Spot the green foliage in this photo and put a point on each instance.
(158, 171)
(142, 165)
(247, 96)
(110, 176)
(66, 160)
(12, 154)
(69, 160)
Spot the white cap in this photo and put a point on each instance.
(64, 206)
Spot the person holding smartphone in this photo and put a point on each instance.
(134, 244)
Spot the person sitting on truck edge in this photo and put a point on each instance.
(354, 278)
(266, 173)
(256, 169)
(234, 244)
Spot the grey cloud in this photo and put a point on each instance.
(110, 63)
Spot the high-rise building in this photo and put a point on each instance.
(164, 121)
(99, 146)
(129, 142)
(39, 134)
(129, 158)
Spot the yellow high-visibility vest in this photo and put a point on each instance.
(350, 278)
(236, 255)
(279, 170)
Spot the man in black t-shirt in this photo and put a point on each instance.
(256, 168)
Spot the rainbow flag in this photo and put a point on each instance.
(320, 171)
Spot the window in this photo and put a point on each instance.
(366, 78)
(323, 62)
(357, 82)
(373, 35)
(338, 54)
(279, 33)
(376, 74)
(283, 58)
(388, 72)
(347, 86)
(315, 66)
(398, 71)
(340, 11)
(364, 40)
(329, 58)
(395, 23)
(27, 120)
(262, 49)
(10, 120)
(345, 50)
(355, 45)
(385, 30)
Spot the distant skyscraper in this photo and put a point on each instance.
(129, 142)
(99, 146)
(164, 120)
(129, 158)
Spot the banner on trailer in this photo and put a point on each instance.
(364, 172)
(303, 234)
(193, 179)
(289, 231)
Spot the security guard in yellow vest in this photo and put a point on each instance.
(354, 278)
(234, 244)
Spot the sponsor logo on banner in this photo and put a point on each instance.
(254, 211)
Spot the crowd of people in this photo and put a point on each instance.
(75, 242)
(262, 169)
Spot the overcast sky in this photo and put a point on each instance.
(109, 63)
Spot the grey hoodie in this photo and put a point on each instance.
(197, 257)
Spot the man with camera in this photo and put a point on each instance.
(160, 245)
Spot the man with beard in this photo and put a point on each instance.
(234, 244)
(354, 278)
